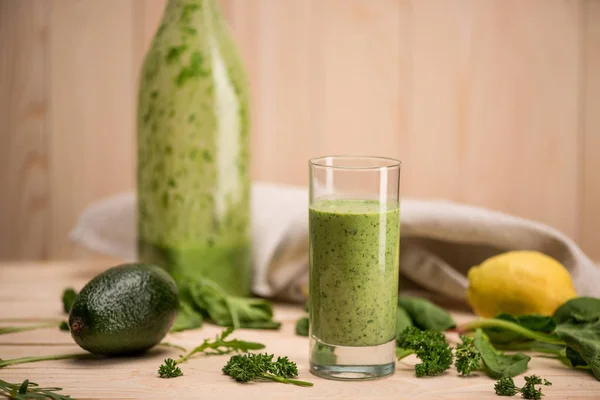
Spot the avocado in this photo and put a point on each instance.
(125, 310)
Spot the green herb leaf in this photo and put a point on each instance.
(220, 346)
(498, 364)
(302, 326)
(431, 347)
(30, 390)
(505, 387)
(425, 315)
(533, 322)
(575, 359)
(579, 309)
(467, 357)
(64, 326)
(208, 298)
(403, 321)
(253, 367)
(187, 318)
(169, 369)
(584, 339)
(68, 297)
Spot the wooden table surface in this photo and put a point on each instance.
(31, 293)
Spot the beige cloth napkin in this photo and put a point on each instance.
(440, 241)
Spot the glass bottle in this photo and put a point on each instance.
(193, 183)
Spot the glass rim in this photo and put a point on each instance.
(384, 162)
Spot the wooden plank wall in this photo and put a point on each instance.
(488, 102)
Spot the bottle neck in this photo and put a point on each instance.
(186, 9)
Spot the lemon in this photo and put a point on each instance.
(519, 282)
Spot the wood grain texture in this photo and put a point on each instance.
(490, 118)
(590, 208)
(92, 108)
(24, 187)
(135, 377)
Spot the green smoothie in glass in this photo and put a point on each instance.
(354, 246)
(354, 271)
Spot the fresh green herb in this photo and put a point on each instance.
(208, 299)
(302, 326)
(498, 364)
(579, 309)
(68, 297)
(467, 357)
(64, 326)
(13, 329)
(403, 321)
(253, 367)
(425, 315)
(169, 369)
(431, 347)
(24, 360)
(575, 340)
(537, 323)
(220, 346)
(186, 319)
(506, 387)
(583, 341)
(547, 382)
(30, 390)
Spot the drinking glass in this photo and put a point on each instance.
(354, 245)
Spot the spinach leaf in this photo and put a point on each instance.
(575, 359)
(498, 364)
(534, 322)
(425, 315)
(208, 298)
(402, 321)
(302, 326)
(68, 297)
(187, 318)
(584, 339)
(579, 309)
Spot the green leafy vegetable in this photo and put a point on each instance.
(68, 297)
(431, 347)
(302, 326)
(25, 360)
(403, 321)
(467, 356)
(257, 367)
(207, 298)
(425, 315)
(499, 365)
(506, 387)
(533, 322)
(583, 340)
(14, 329)
(578, 310)
(169, 369)
(30, 390)
(220, 346)
(186, 319)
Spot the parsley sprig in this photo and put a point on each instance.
(253, 367)
(169, 369)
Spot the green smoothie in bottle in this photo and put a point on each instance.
(193, 181)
